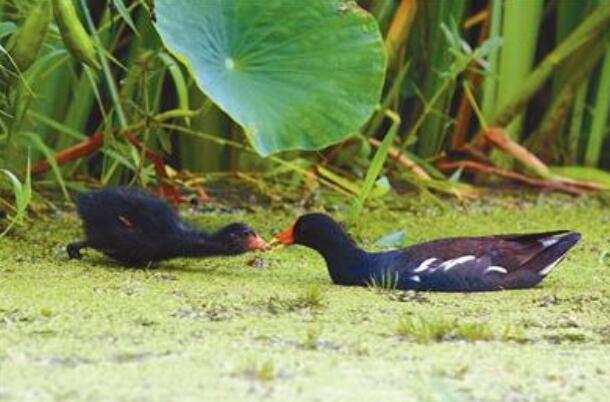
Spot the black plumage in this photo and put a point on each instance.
(136, 228)
(462, 264)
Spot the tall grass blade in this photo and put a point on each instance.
(37, 142)
(23, 196)
(435, 126)
(490, 83)
(375, 167)
(119, 5)
(599, 126)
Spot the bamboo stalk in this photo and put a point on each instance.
(434, 127)
(112, 88)
(398, 33)
(521, 21)
(520, 29)
(569, 15)
(576, 123)
(458, 139)
(490, 83)
(547, 136)
(589, 30)
(600, 115)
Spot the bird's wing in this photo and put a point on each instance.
(487, 263)
(146, 212)
(129, 209)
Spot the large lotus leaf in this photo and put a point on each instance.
(295, 74)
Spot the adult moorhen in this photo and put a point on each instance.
(461, 264)
(136, 228)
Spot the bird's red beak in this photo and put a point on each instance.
(286, 237)
(255, 242)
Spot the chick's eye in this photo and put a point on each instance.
(245, 232)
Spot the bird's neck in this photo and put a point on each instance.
(347, 263)
(197, 244)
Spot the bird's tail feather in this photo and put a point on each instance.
(539, 266)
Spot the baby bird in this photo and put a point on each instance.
(136, 228)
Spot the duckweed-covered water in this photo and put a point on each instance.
(277, 329)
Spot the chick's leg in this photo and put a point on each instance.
(73, 249)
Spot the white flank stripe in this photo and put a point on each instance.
(550, 267)
(496, 268)
(548, 242)
(415, 278)
(424, 265)
(447, 265)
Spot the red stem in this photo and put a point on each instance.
(94, 143)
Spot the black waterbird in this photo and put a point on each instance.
(461, 264)
(136, 228)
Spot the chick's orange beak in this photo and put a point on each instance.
(255, 242)
(286, 237)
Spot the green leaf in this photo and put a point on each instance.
(393, 240)
(293, 74)
(381, 188)
(348, 185)
(375, 167)
(17, 186)
(7, 28)
(124, 13)
(23, 196)
(34, 140)
(457, 175)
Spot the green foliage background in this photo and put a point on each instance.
(539, 68)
